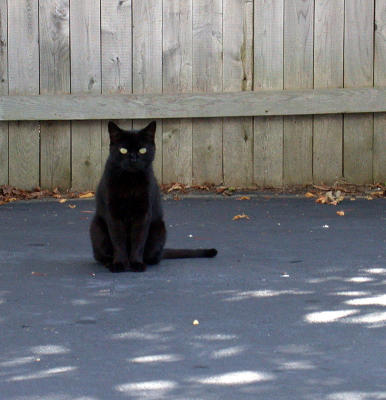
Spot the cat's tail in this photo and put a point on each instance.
(189, 253)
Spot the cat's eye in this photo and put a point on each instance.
(122, 150)
(142, 150)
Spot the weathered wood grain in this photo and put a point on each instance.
(177, 78)
(3, 90)
(55, 137)
(85, 78)
(379, 160)
(116, 44)
(358, 72)
(196, 105)
(207, 77)
(147, 62)
(238, 76)
(23, 73)
(203, 69)
(298, 73)
(268, 74)
(328, 70)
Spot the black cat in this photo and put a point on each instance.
(128, 231)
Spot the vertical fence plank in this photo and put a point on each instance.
(3, 90)
(298, 73)
(379, 163)
(207, 77)
(147, 62)
(55, 136)
(116, 25)
(177, 77)
(237, 76)
(23, 61)
(358, 72)
(85, 78)
(268, 74)
(328, 73)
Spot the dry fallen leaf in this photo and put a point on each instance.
(176, 186)
(38, 273)
(330, 197)
(62, 201)
(321, 200)
(309, 195)
(240, 216)
(86, 195)
(221, 189)
(195, 322)
(244, 198)
(72, 205)
(378, 193)
(340, 213)
(322, 187)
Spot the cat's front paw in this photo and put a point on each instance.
(117, 267)
(137, 266)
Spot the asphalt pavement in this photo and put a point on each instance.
(293, 306)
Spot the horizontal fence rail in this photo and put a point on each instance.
(197, 105)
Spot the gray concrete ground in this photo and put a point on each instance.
(293, 306)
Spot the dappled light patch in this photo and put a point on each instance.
(297, 349)
(156, 358)
(55, 396)
(47, 373)
(216, 336)
(360, 299)
(375, 271)
(16, 362)
(236, 378)
(323, 317)
(135, 334)
(298, 365)
(359, 279)
(325, 279)
(351, 293)
(113, 309)
(147, 389)
(374, 319)
(357, 396)
(49, 349)
(250, 294)
(227, 352)
(148, 333)
(80, 302)
(368, 301)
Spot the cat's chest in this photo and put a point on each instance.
(126, 204)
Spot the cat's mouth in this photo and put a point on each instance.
(132, 166)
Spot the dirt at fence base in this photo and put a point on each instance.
(323, 194)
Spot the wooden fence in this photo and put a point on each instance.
(293, 89)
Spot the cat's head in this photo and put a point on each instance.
(132, 150)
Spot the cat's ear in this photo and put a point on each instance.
(114, 132)
(149, 131)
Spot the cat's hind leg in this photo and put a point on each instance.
(100, 240)
(155, 243)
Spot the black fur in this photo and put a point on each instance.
(128, 231)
